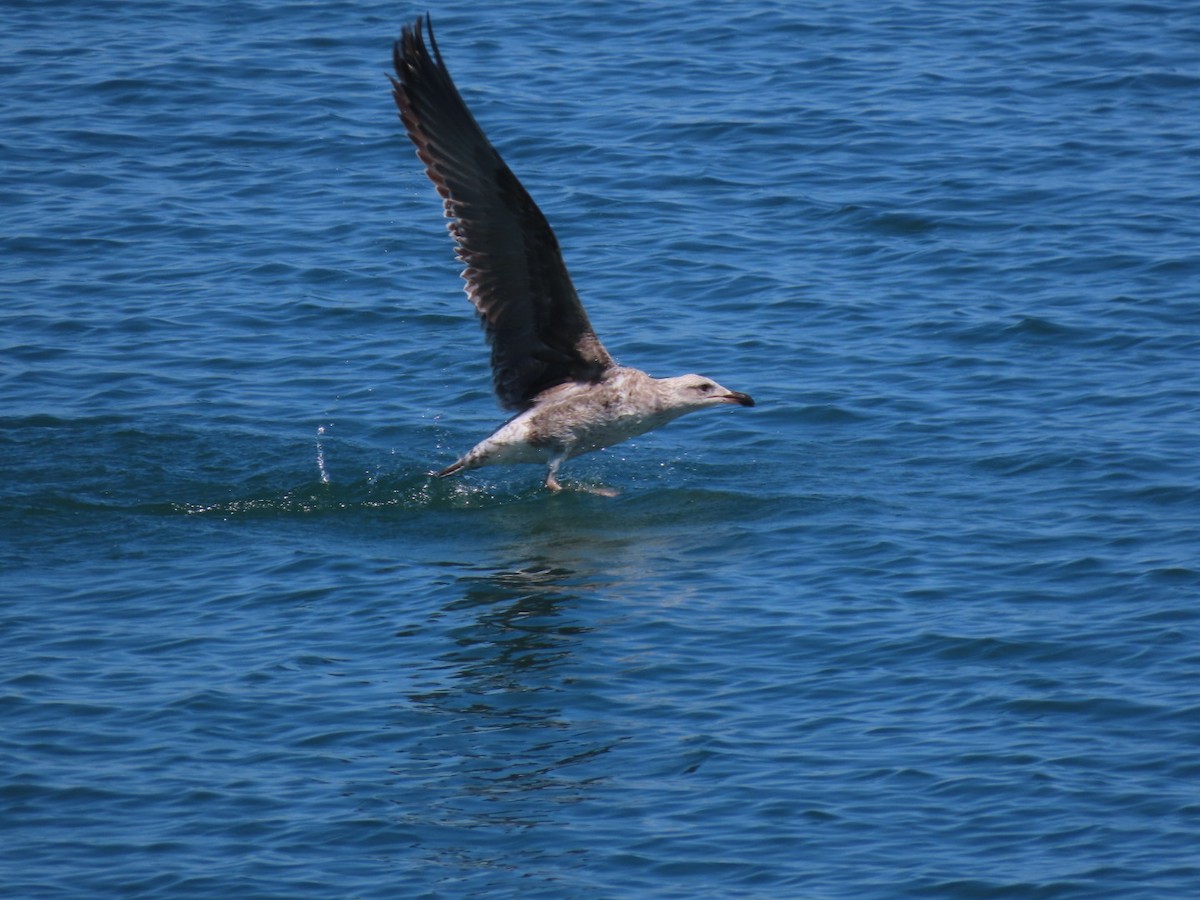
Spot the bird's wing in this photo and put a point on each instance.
(535, 323)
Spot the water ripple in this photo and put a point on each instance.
(920, 624)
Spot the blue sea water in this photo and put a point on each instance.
(924, 623)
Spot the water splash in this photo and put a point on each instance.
(321, 469)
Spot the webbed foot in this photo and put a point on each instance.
(552, 484)
(600, 491)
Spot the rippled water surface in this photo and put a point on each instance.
(923, 623)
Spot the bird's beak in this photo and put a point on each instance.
(739, 398)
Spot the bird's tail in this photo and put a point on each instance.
(451, 469)
(474, 458)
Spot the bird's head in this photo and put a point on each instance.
(691, 392)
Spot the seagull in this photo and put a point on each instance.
(569, 395)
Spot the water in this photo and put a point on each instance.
(923, 623)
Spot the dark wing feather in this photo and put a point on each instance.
(535, 323)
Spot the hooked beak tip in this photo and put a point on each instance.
(739, 398)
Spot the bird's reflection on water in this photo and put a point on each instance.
(522, 625)
(506, 729)
(525, 704)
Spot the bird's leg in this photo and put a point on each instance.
(553, 485)
(552, 476)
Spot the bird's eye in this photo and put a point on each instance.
(705, 388)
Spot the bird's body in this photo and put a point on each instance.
(571, 397)
(575, 418)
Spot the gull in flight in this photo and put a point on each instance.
(569, 395)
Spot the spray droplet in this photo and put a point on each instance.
(324, 473)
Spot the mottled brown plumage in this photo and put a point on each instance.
(547, 362)
(539, 332)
